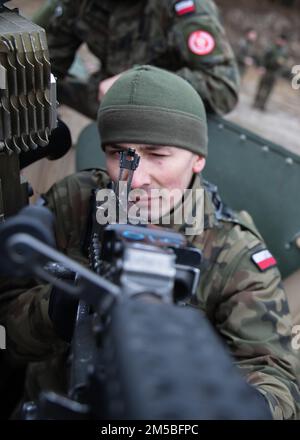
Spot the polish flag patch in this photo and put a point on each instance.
(185, 7)
(264, 260)
(201, 42)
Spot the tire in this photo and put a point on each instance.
(162, 361)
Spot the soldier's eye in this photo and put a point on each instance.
(159, 154)
(114, 153)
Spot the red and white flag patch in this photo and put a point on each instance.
(264, 260)
(185, 7)
(201, 42)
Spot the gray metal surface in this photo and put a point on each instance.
(262, 178)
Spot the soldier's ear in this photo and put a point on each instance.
(198, 164)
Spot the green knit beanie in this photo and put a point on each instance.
(147, 105)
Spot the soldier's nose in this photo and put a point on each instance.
(141, 177)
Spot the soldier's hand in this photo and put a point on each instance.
(106, 84)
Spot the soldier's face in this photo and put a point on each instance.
(164, 167)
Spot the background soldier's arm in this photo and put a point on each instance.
(63, 42)
(209, 64)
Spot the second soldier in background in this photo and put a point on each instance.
(273, 64)
(185, 37)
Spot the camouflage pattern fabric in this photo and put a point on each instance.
(122, 34)
(247, 307)
(275, 58)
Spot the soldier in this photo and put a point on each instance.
(246, 55)
(185, 37)
(273, 64)
(163, 118)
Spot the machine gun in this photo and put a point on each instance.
(136, 351)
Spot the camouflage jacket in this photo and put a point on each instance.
(275, 59)
(247, 306)
(163, 33)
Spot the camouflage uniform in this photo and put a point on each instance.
(122, 34)
(274, 61)
(248, 307)
(246, 49)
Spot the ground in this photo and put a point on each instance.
(280, 123)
